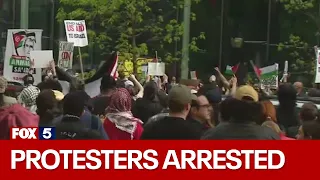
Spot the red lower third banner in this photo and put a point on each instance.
(30, 159)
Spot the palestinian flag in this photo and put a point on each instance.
(92, 85)
(18, 39)
(231, 70)
(269, 75)
(269, 71)
(110, 66)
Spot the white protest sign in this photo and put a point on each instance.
(41, 59)
(65, 55)
(156, 69)
(76, 32)
(193, 75)
(317, 78)
(20, 42)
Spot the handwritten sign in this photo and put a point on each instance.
(76, 32)
(156, 69)
(41, 59)
(65, 55)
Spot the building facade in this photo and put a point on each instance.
(29, 14)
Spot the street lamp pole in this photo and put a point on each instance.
(186, 40)
(268, 31)
(24, 14)
(221, 33)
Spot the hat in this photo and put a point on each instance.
(128, 83)
(3, 84)
(16, 116)
(59, 95)
(29, 95)
(214, 96)
(181, 94)
(247, 91)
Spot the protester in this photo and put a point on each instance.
(287, 115)
(71, 125)
(15, 116)
(310, 130)
(28, 80)
(309, 112)
(244, 112)
(101, 102)
(149, 105)
(27, 98)
(299, 88)
(224, 109)
(90, 120)
(274, 126)
(5, 100)
(200, 113)
(215, 97)
(48, 109)
(50, 84)
(268, 112)
(174, 126)
(120, 124)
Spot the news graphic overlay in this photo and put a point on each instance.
(33, 133)
(95, 159)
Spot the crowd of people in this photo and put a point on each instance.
(159, 109)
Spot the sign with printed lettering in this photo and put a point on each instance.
(76, 32)
(65, 55)
(17, 62)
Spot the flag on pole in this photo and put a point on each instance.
(109, 67)
(269, 76)
(269, 71)
(256, 69)
(231, 70)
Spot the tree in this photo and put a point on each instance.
(133, 27)
(302, 52)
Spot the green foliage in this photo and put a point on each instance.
(133, 27)
(297, 5)
(302, 56)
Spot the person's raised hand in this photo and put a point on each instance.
(132, 77)
(234, 80)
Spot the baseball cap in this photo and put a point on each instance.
(3, 84)
(181, 94)
(59, 95)
(214, 96)
(247, 91)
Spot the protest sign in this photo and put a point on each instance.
(76, 32)
(65, 55)
(193, 75)
(20, 43)
(269, 76)
(156, 69)
(41, 59)
(317, 78)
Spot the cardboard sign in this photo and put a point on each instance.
(41, 59)
(76, 32)
(65, 55)
(156, 69)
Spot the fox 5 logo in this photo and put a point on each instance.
(42, 133)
